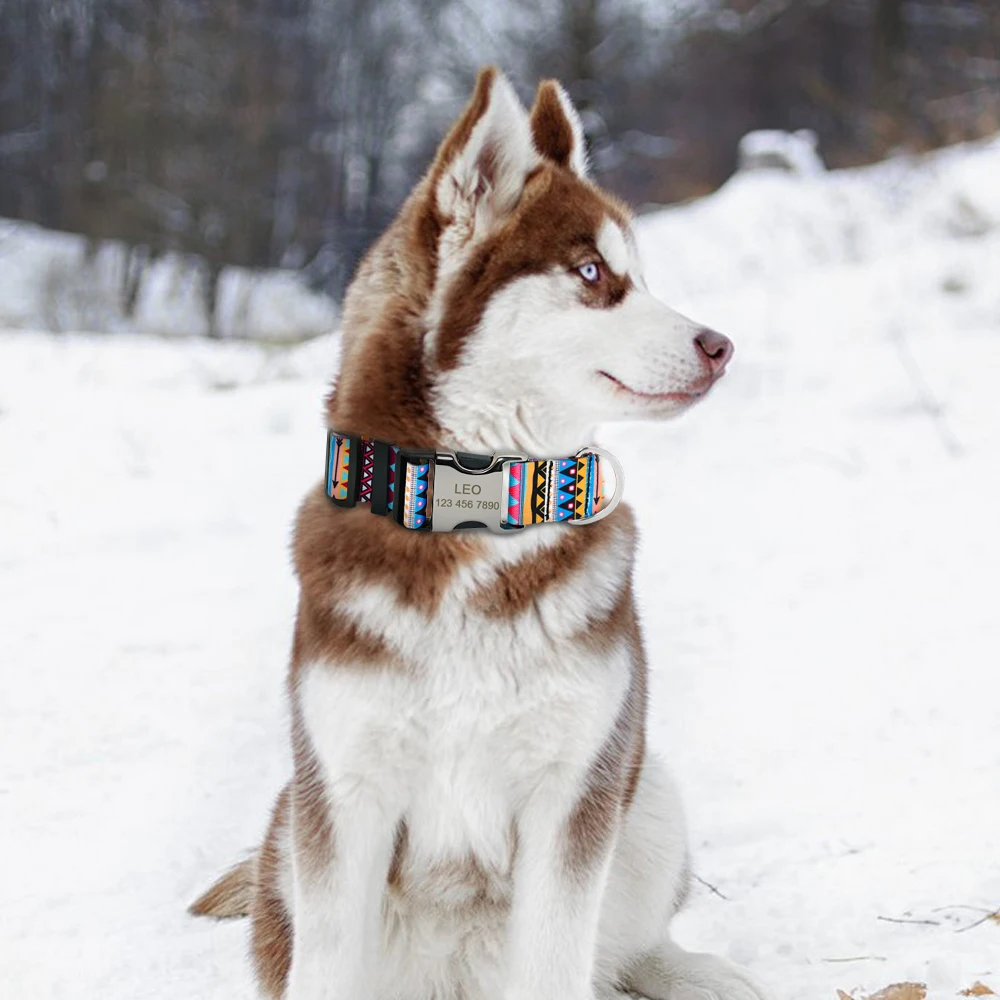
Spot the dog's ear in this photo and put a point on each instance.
(556, 128)
(480, 169)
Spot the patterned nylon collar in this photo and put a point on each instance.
(444, 491)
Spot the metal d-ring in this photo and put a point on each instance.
(604, 456)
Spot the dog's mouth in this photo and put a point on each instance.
(697, 390)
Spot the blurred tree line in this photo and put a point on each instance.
(285, 132)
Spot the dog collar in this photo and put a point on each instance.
(445, 490)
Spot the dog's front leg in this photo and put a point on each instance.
(341, 855)
(345, 808)
(563, 855)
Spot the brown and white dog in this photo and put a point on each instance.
(473, 815)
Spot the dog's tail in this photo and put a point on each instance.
(231, 896)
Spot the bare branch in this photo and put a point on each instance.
(712, 888)
(906, 920)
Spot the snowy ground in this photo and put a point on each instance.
(818, 576)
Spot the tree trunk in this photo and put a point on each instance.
(888, 45)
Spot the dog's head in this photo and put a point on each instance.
(535, 323)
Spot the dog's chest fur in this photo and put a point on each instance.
(460, 709)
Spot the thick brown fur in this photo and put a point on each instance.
(231, 897)
(337, 549)
(383, 386)
(550, 130)
(271, 934)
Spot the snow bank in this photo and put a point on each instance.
(770, 226)
(770, 149)
(834, 617)
(817, 576)
(49, 282)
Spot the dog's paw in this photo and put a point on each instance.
(689, 976)
(710, 977)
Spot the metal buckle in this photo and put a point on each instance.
(470, 491)
(467, 497)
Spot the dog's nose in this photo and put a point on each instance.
(716, 348)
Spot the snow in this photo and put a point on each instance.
(772, 149)
(48, 282)
(817, 576)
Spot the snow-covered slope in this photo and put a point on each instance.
(818, 579)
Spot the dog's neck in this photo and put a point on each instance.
(390, 396)
(520, 432)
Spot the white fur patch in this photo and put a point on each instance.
(459, 744)
(502, 392)
(612, 246)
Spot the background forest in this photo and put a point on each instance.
(284, 133)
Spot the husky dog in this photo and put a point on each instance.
(473, 814)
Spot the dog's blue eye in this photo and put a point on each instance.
(589, 272)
